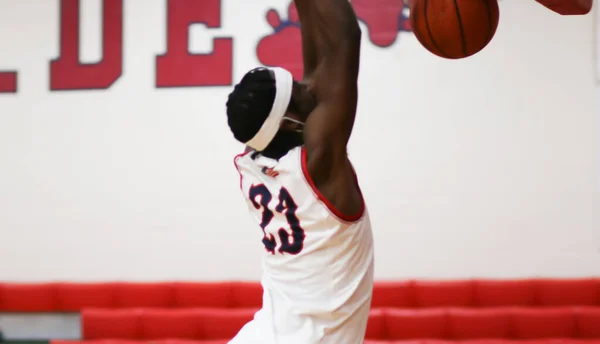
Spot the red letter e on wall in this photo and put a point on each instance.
(67, 73)
(179, 68)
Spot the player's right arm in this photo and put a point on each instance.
(309, 48)
(330, 30)
(311, 14)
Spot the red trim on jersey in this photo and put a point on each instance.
(321, 197)
(236, 166)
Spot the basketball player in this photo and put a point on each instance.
(302, 190)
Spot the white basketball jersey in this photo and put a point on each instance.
(318, 264)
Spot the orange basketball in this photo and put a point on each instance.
(454, 29)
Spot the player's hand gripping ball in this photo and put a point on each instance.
(454, 29)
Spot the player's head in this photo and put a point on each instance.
(267, 111)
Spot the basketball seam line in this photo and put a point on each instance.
(442, 52)
(461, 28)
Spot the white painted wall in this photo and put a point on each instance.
(480, 167)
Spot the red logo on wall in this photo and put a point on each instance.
(283, 48)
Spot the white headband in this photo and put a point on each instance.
(283, 93)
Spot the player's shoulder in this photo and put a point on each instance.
(243, 162)
(238, 157)
(291, 160)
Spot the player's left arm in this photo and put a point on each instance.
(337, 37)
(310, 53)
(327, 130)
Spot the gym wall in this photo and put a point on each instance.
(120, 168)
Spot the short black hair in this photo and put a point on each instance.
(250, 103)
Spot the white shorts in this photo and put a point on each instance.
(254, 332)
(282, 322)
(304, 330)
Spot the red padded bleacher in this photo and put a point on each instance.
(501, 323)
(369, 341)
(384, 323)
(72, 297)
(488, 293)
(139, 324)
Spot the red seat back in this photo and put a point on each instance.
(172, 324)
(246, 295)
(478, 324)
(73, 297)
(104, 324)
(212, 295)
(584, 292)
(588, 322)
(411, 324)
(444, 294)
(18, 297)
(147, 295)
(393, 294)
(544, 323)
(491, 293)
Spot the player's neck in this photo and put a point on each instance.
(277, 152)
(282, 144)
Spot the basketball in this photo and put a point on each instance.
(454, 29)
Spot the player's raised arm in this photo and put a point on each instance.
(331, 36)
(309, 47)
(325, 26)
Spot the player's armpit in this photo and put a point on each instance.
(336, 89)
(326, 136)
